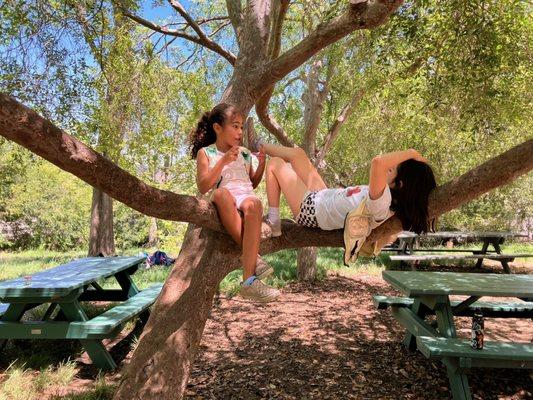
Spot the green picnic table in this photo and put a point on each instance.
(64, 288)
(429, 293)
(406, 250)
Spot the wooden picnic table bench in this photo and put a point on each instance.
(428, 293)
(406, 250)
(503, 258)
(64, 287)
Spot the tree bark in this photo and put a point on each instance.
(161, 363)
(153, 238)
(101, 236)
(306, 264)
(313, 98)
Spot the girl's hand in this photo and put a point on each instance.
(230, 155)
(261, 156)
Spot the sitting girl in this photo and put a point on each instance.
(399, 182)
(224, 169)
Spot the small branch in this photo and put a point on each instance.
(176, 5)
(235, 14)
(205, 42)
(261, 108)
(219, 28)
(187, 59)
(333, 132)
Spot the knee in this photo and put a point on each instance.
(221, 196)
(252, 208)
(275, 163)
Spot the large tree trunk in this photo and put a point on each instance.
(313, 99)
(101, 235)
(161, 363)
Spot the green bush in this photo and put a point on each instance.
(54, 204)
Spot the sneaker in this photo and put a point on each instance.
(259, 292)
(276, 228)
(262, 269)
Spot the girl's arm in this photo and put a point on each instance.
(256, 176)
(382, 164)
(205, 178)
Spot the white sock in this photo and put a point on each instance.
(273, 215)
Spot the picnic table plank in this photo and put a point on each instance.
(438, 347)
(62, 280)
(433, 290)
(3, 308)
(488, 308)
(121, 313)
(415, 283)
(429, 257)
(101, 326)
(64, 286)
(471, 234)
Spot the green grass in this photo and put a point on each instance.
(23, 383)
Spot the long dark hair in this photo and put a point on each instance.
(204, 134)
(410, 195)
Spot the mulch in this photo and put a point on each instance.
(327, 341)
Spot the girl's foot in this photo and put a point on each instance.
(258, 291)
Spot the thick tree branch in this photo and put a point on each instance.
(314, 98)
(25, 127)
(235, 14)
(363, 15)
(274, 43)
(274, 46)
(202, 41)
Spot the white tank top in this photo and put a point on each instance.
(235, 176)
(332, 205)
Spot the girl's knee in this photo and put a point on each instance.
(252, 207)
(274, 163)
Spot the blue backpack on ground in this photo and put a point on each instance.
(159, 258)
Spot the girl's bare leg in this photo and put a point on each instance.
(253, 213)
(300, 163)
(281, 177)
(228, 214)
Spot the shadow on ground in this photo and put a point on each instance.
(326, 341)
